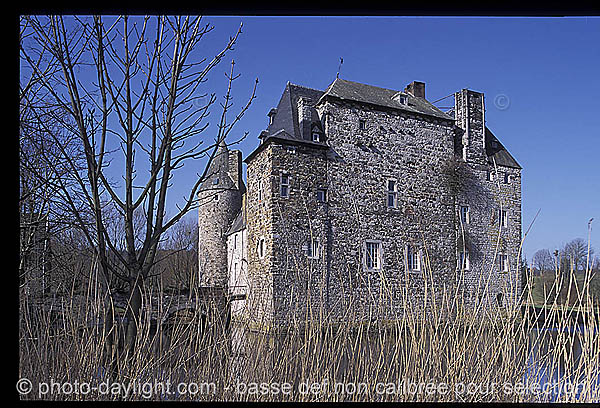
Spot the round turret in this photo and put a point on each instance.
(220, 198)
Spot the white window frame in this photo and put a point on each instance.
(490, 175)
(503, 262)
(391, 193)
(467, 218)
(464, 260)
(503, 218)
(324, 191)
(377, 260)
(261, 247)
(282, 185)
(362, 124)
(317, 138)
(313, 249)
(413, 254)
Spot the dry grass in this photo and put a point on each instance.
(453, 353)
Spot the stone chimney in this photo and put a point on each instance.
(469, 114)
(416, 88)
(235, 167)
(304, 116)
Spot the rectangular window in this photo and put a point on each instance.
(373, 255)
(503, 218)
(316, 137)
(261, 248)
(260, 190)
(392, 193)
(285, 185)
(362, 124)
(464, 262)
(506, 178)
(414, 260)
(490, 176)
(503, 260)
(313, 249)
(321, 195)
(464, 214)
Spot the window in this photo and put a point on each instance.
(285, 185)
(373, 255)
(402, 99)
(464, 263)
(316, 137)
(464, 214)
(261, 248)
(313, 249)
(414, 260)
(362, 124)
(260, 190)
(321, 195)
(490, 176)
(392, 193)
(291, 149)
(503, 260)
(502, 218)
(506, 178)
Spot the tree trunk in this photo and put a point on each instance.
(134, 308)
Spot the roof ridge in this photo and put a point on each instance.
(305, 87)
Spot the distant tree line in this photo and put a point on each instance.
(576, 255)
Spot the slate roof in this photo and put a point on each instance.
(285, 126)
(497, 152)
(354, 91)
(217, 176)
(286, 117)
(238, 224)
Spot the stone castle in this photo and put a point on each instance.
(362, 196)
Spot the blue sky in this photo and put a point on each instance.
(545, 68)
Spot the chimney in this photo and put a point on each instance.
(469, 114)
(416, 88)
(304, 116)
(235, 167)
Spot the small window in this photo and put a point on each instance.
(464, 214)
(464, 263)
(490, 176)
(316, 137)
(321, 195)
(414, 260)
(403, 99)
(503, 261)
(313, 249)
(503, 218)
(392, 193)
(291, 149)
(260, 190)
(261, 248)
(373, 255)
(284, 185)
(362, 124)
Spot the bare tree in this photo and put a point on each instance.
(543, 260)
(122, 88)
(576, 255)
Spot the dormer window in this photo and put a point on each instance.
(316, 137)
(402, 99)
